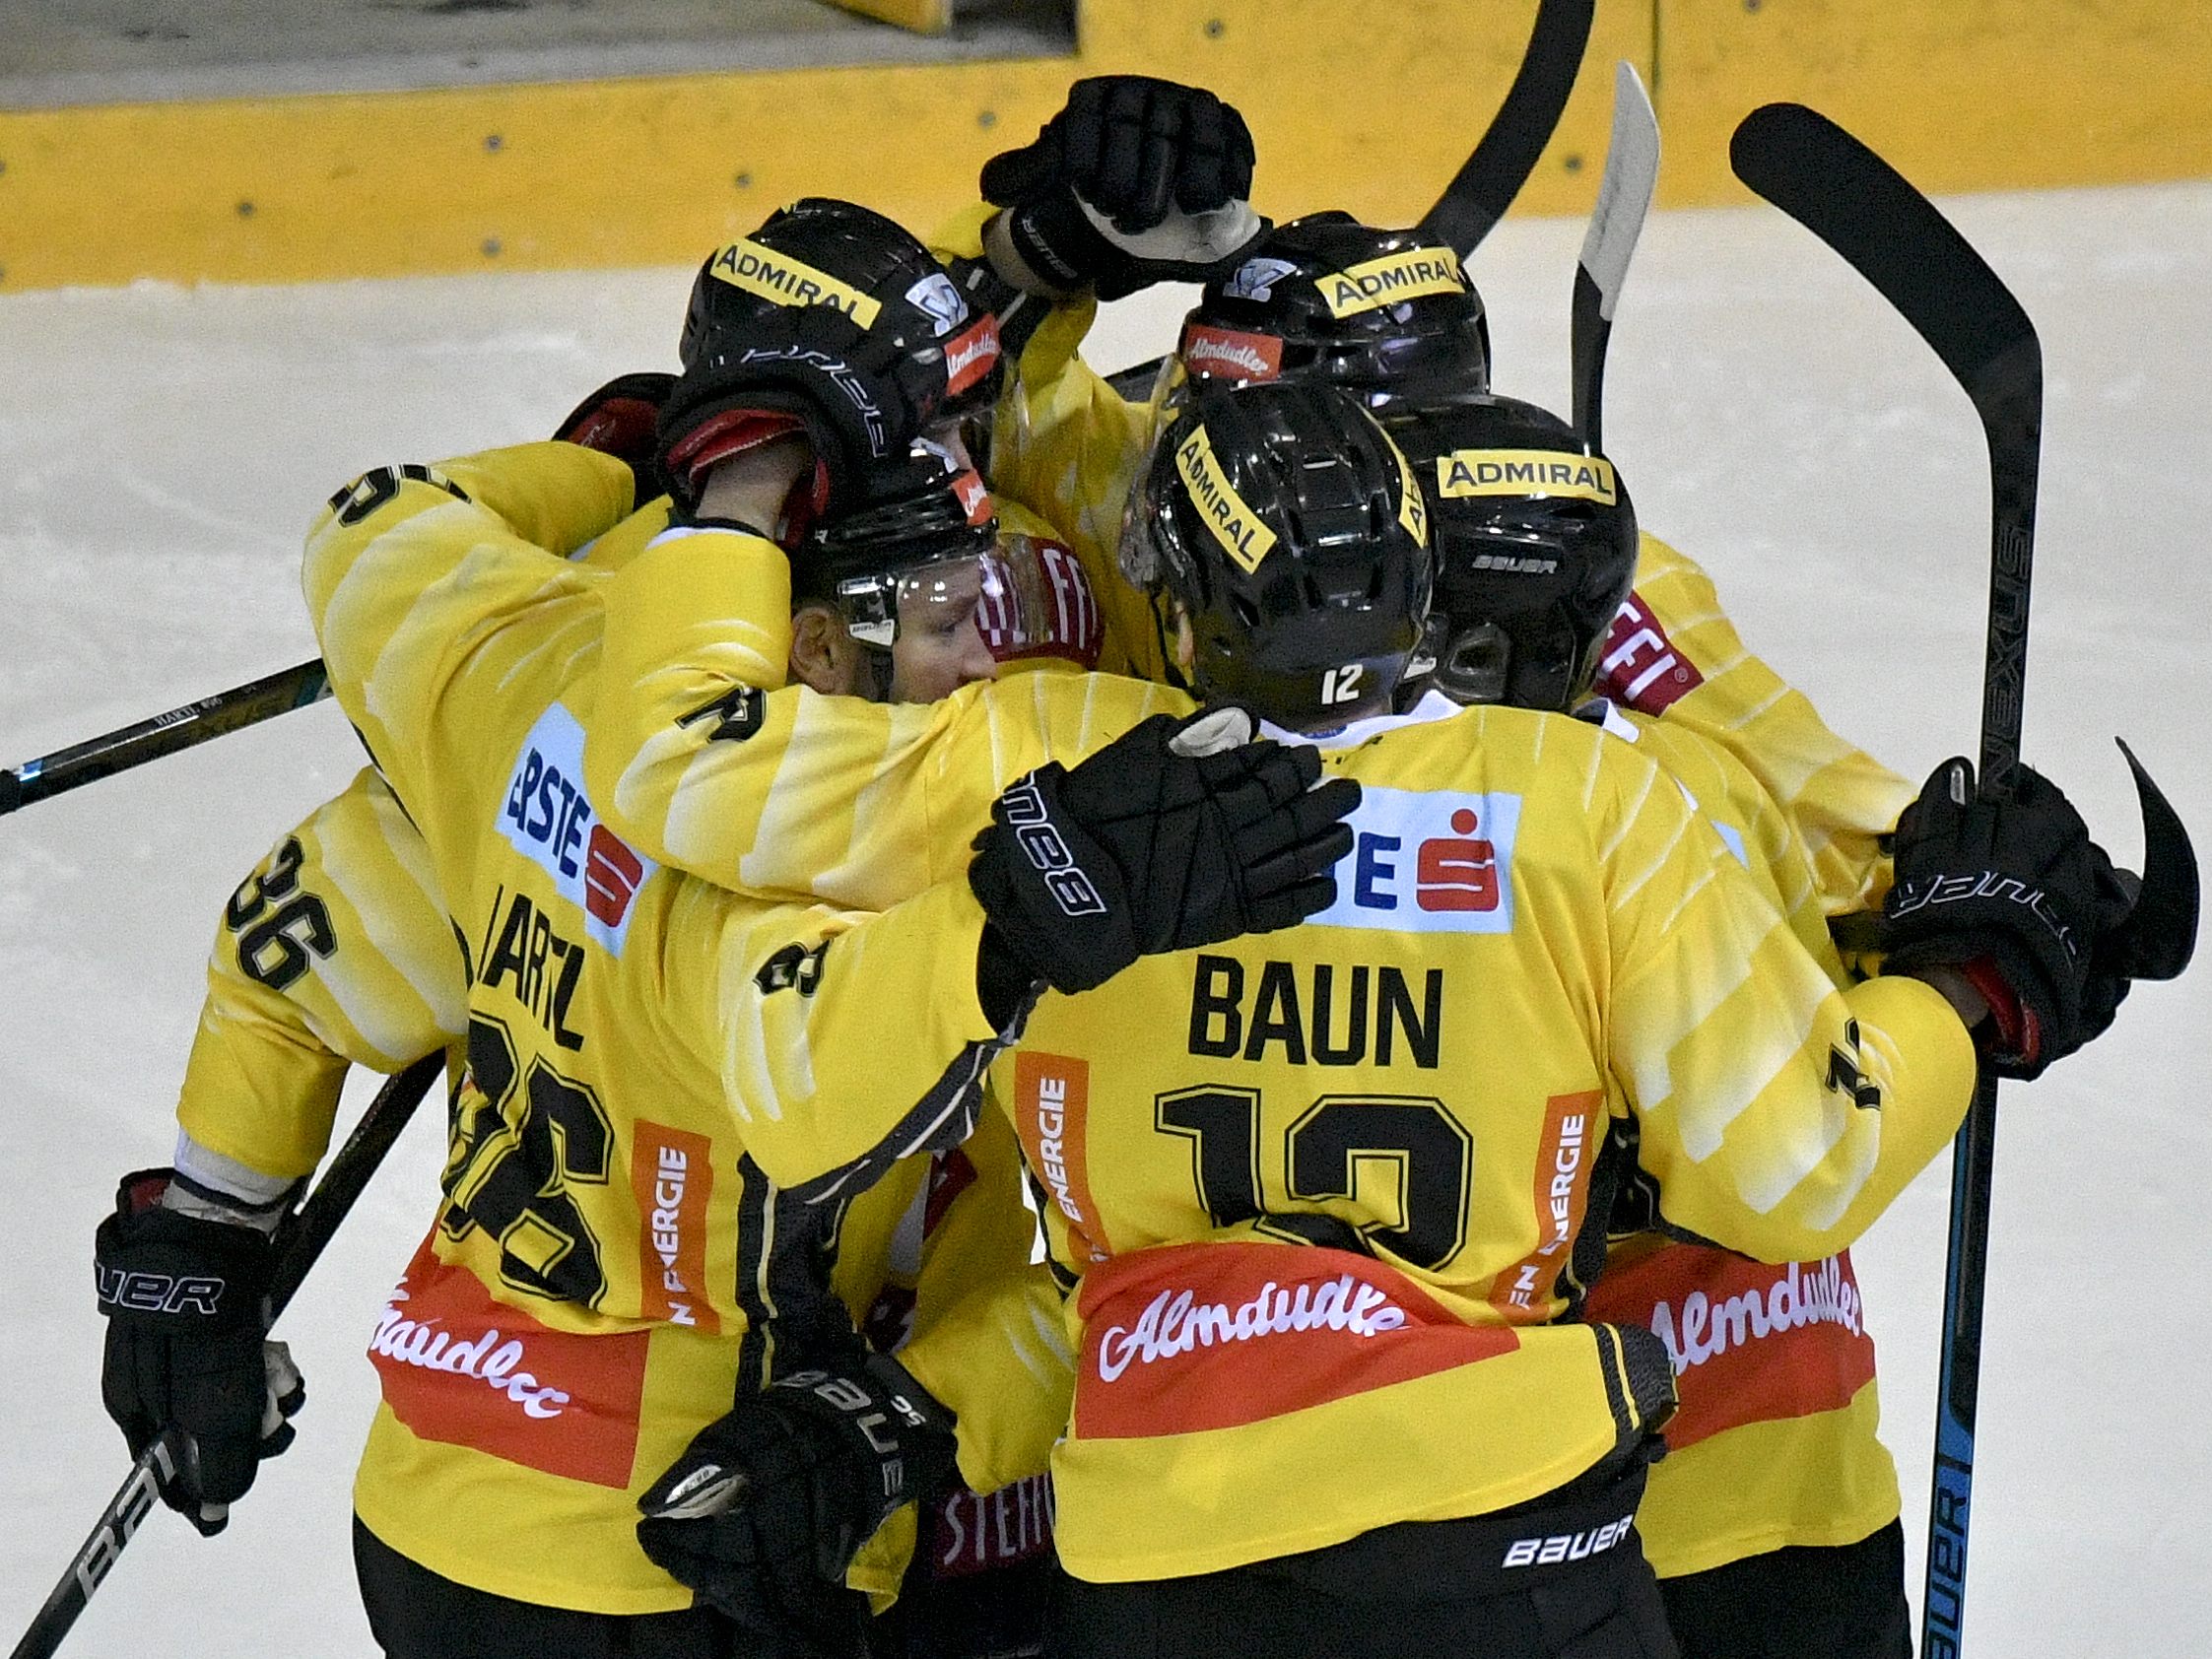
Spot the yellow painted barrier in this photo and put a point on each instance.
(1958, 94)
(1366, 107)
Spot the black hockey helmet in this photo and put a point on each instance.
(920, 541)
(833, 316)
(1291, 531)
(1387, 316)
(1536, 547)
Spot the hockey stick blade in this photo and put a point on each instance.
(1484, 187)
(1631, 175)
(299, 1241)
(2158, 937)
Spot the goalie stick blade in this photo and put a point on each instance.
(1892, 236)
(1483, 189)
(1632, 176)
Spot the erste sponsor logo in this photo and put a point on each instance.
(548, 818)
(1428, 861)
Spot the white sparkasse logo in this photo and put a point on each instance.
(1818, 1294)
(489, 1361)
(1255, 279)
(1176, 1322)
(936, 295)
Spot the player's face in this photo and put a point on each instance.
(939, 648)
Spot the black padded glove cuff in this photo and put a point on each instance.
(160, 1269)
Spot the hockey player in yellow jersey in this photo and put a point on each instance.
(1535, 936)
(1773, 1465)
(1828, 1501)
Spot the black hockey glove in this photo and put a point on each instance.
(620, 420)
(185, 1299)
(763, 1511)
(2015, 895)
(1178, 834)
(1136, 181)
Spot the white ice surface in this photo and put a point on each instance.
(161, 451)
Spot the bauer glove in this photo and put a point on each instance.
(1136, 181)
(765, 1509)
(1178, 834)
(2015, 895)
(186, 1300)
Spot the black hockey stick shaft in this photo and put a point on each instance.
(1894, 236)
(163, 734)
(300, 1242)
(1503, 159)
(1484, 186)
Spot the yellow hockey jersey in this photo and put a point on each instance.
(674, 1093)
(1770, 1448)
(1774, 1444)
(1533, 935)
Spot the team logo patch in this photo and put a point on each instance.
(462, 1370)
(1230, 354)
(1182, 1337)
(548, 818)
(1255, 279)
(970, 356)
(1232, 522)
(1426, 862)
(1639, 666)
(777, 277)
(1750, 1342)
(1526, 472)
(1394, 276)
(936, 298)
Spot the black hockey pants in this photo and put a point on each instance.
(1846, 1601)
(1417, 1590)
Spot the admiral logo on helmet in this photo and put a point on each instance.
(777, 277)
(1386, 281)
(1233, 523)
(1413, 508)
(1526, 472)
(936, 298)
(1255, 279)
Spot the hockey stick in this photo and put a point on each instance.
(1892, 236)
(1631, 175)
(1484, 186)
(300, 1241)
(164, 734)
(1503, 159)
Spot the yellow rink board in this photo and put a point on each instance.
(1368, 106)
